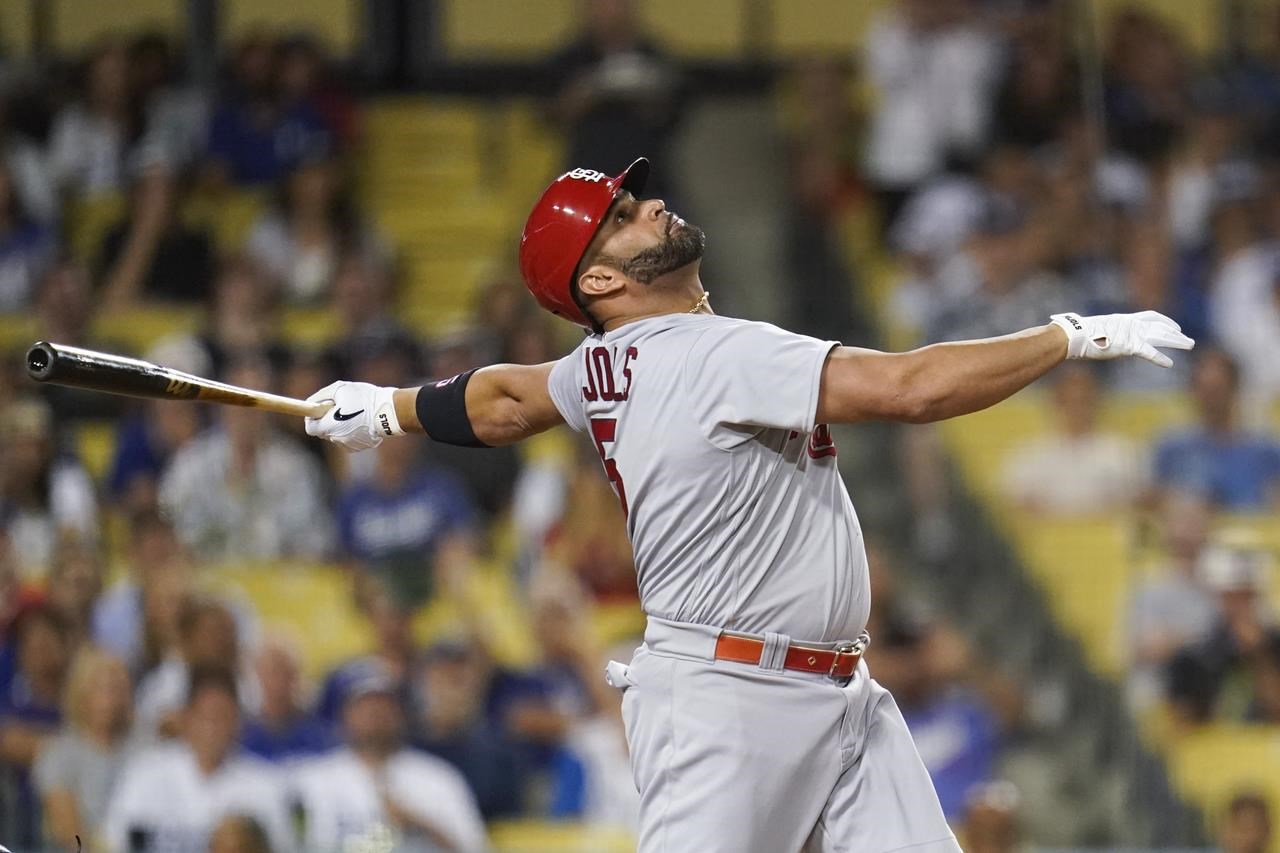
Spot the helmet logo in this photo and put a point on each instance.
(588, 175)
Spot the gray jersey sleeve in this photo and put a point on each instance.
(564, 384)
(744, 377)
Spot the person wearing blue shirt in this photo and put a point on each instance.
(30, 713)
(1236, 470)
(408, 522)
(283, 730)
(254, 138)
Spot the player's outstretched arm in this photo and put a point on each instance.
(946, 380)
(495, 405)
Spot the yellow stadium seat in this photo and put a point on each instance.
(312, 602)
(1086, 596)
(1198, 24)
(88, 220)
(227, 215)
(707, 29)
(334, 23)
(799, 28)
(77, 24)
(139, 328)
(17, 24)
(500, 29)
(17, 332)
(95, 445)
(531, 836)
(309, 327)
(1215, 763)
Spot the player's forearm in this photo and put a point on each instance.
(952, 379)
(501, 404)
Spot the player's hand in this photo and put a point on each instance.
(361, 417)
(1108, 336)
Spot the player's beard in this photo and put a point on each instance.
(680, 248)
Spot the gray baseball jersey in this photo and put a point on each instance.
(736, 511)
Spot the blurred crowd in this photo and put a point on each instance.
(1017, 160)
(141, 709)
(1011, 169)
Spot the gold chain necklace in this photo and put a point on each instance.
(701, 303)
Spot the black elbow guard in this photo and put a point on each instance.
(442, 411)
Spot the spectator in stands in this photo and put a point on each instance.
(94, 144)
(1245, 310)
(452, 724)
(237, 833)
(208, 637)
(77, 770)
(1147, 96)
(616, 91)
(1246, 826)
(244, 317)
(1171, 608)
(1038, 86)
(362, 300)
(120, 622)
(171, 796)
(1234, 674)
(26, 248)
(152, 254)
(994, 285)
(375, 785)
(490, 474)
(64, 311)
(242, 490)
(1213, 143)
(1232, 226)
(956, 732)
(587, 535)
(147, 438)
(255, 138)
(74, 584)
(312, 226)
(28, 168)
(933, 67)
(599, 790)
(42, 493)
(394, 656)
(991, 819)
(283, 729)
(407, 509)
(1237, 470)
(1078, 469)
(30, 713)
(304, 80)
(177, 115)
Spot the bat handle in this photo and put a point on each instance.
(318, 409)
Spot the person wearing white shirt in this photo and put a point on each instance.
(1077, 469)
(374, 790)
(169, 798)
(933, 70)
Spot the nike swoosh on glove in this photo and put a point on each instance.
(361, 417)
(1107, 336)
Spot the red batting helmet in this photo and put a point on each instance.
(560, 228)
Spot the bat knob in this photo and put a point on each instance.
(40, 359)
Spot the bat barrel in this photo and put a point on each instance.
(40, 359)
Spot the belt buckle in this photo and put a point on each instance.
(852, 648)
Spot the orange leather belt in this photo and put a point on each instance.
(838, 662)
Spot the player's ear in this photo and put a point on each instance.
(600, 279)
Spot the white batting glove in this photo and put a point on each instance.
(1108, 336)
(361, 417)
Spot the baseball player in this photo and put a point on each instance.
(752, 722)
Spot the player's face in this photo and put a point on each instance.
(644, 241)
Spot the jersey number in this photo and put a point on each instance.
(604, 430)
